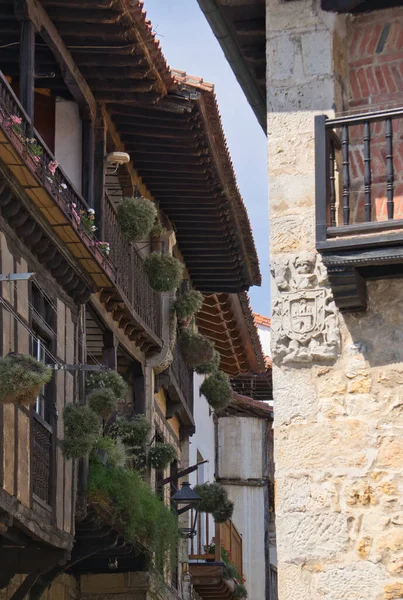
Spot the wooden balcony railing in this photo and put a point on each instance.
(359, 180)
(35, 154)
(130, 274)
(183, 376)
(224, 535)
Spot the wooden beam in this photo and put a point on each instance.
(100, 131)
(27, 67)
(341, 5)
(75, 82)
(88, 143)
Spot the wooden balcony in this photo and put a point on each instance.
(359, 201)
(178, 381)
(207, 568)
(49, 206)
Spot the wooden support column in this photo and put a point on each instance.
(139, 390)
(100, 133)
(27, 58)
(110, 350)
(88, 161)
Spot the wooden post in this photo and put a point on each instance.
(27, 68)
(88, 161)
(99, 172)
(109, 350)
(217, 538)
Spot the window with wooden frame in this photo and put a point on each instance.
(43, 413)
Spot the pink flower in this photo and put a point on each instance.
(52, 166)
(16, 120)
(36, 159)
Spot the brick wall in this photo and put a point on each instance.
(375, 82)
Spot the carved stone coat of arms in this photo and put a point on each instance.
(305, 323)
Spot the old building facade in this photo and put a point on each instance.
(90, 115)
(333, 83)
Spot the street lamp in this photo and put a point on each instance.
(184, 500)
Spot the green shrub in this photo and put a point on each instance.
(81, 429)
(136, 510)
(217, 390)
(212, 495)
(108, 379)
(230, 571)
(189, 304)
(22, 378)
(196, 349)
(162, 455)
(164, 271)
(240, 591)
(210, 366)
(107, 445)
(136, 217)
(103, 402)
(224, 512)
(133, 433)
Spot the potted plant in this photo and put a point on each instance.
(212, 495)
(196, 349)
(164, 271)
(87, 220)
(187, 306)
(108, 379)
(210, 366)
(22, 378)
(156, 234)
(81, 429)
(35, 152)
(133, 433)
(224, 512)
(102, 401)
(217, 390)
(240, 591)
(136, 217)
(161, 455)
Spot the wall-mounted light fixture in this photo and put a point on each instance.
(116, 159)
(184, 500)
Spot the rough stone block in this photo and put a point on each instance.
(295, 397)
(317, 53)
(291, 578)
(390, 453)
(305, 536)
(328, 445)
(353, 581)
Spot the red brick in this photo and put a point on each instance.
(372, 83)
(363, 83)
(373, 42)
(381, 80)
(387, 73)
(355, 88)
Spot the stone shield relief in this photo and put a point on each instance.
(305, 322)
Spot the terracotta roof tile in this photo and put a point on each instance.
(261, 320)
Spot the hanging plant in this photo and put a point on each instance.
(81, 429)
(196, 349)
(217, 390)
(133, 433)
(213, 495)
(162, 455)
(102, 401)
(106, 451)
(108, 379)
(187, 306)
(22, 378)
(158, 230)
(230, 571)
(240, 591)
(210, 366)
(136, 218)
(164, 271)
(223, 513)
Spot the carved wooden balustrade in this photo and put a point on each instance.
(130, 274)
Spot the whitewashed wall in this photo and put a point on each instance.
(68, 140)
(240, 457)
(265, 338)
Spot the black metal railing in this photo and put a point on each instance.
(130, 274)
(359, 176)
(183, 376)
(17, 125)
(41, 462)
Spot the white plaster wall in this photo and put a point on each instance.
(240, 453)
(203, 441)
(248, 518)
(240, 456)
(68, 140)
(265, 337)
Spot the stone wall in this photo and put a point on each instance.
(337, 378)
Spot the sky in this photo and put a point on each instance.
(189, 45)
